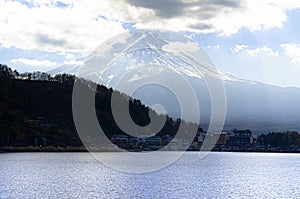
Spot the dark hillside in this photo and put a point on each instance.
(36, 109)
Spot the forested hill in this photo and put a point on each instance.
(36, 109)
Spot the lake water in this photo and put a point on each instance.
(218, 175)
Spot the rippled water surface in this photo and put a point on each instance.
(218, 175)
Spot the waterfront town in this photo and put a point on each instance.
(237, 140)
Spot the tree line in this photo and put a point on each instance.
(7, 73)
(280, 140)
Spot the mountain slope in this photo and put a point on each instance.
(146, 54)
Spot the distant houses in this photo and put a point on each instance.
(236, 140)
(218, 139)
(135, 143)
(240, 139)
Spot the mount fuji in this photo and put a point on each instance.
(249, 104)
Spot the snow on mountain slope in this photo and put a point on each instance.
(138, 52)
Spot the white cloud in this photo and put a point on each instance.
(81, 25)
(34, 62)
(190, 35)
(292, 51)
(263, 51)
(45, 26)
(255, 15)
(238, 48)
(214, 46)
(255, 52)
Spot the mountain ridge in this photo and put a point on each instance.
(246, 100)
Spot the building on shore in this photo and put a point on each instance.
(240, 139)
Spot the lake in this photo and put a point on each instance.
(218, 175)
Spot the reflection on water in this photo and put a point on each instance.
(219, 175)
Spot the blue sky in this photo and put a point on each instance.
(255, 39)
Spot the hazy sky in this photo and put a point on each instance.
(254, 39)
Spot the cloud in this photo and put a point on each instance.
(54, 26)
(34, 62)
(263, 51)
(81, 25)
(214, 46)
(47, 39)
(255, 52)
(292, 51)
(183, 8)
(238, 48)
(218, 16)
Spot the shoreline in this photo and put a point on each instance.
(83, 149)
